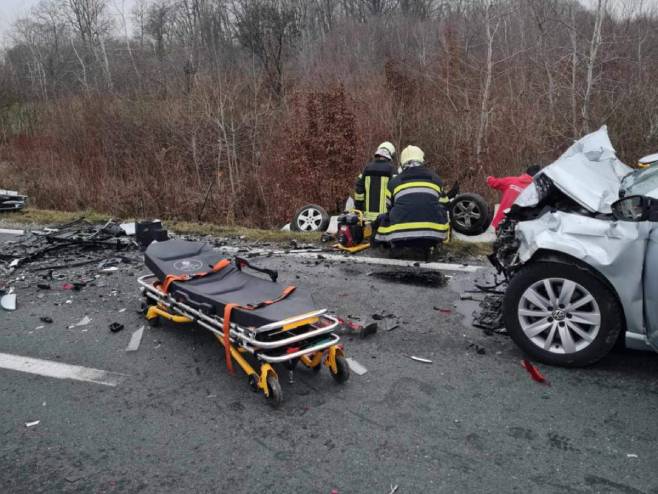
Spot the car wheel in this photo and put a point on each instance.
(561, 314)
(469, 214)
(310, 218)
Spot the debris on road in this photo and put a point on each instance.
(46, 319)
(478, 349)
(115, 327)
(534, 372)
(356, 367)
(443, 311)
(135, 340)
(8, 301)
(83, 322)
(489, 315)
(356, 328)
(394, 489)
(419, 359)
(417, 277)
(71, 243)
(32, 424)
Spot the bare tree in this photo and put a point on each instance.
(270, 30)
(594, 46)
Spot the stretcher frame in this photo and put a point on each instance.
(244, 339)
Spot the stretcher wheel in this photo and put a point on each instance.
(342, 370)
(276, 393)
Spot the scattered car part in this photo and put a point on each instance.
(469, 214)
(534, 372)
(115, 327)
(135, 340)
(150, 231)
(356, 367)
(310, 218)
(8, 301)
(420, 359)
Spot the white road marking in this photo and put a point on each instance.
(11, 232)
(433, 266)
(59, 370)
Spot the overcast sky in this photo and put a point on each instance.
(10, 10)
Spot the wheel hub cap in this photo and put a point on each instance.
(559, 315)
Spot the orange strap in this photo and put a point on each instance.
(170, 278)
(228, 309)
(227, 340)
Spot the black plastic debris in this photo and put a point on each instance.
(368, 330)
(115, 327)
(425, 278)
(63, 246)
(489, 315)
(43, 286)
(46, 319)
(478, 349)
(150, 231)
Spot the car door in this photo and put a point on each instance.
(651, 287)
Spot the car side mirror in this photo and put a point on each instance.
(635, 208)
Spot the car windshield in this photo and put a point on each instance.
(641, 182)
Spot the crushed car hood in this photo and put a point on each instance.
(588, 172)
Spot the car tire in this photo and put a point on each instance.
(470, 214)
(310, 218)
(598, 322)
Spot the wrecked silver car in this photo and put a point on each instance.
(11, 200)
(580, 250)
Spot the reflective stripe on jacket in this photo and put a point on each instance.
(417, 207)
(371, 187)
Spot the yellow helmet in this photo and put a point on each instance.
(388, 146)
(412, 153)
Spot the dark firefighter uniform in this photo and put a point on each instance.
(417, 208)
(371, 186)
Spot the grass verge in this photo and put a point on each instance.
(44, 217)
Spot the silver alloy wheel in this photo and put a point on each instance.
(309, 220)
(559, 315)
(466, 213)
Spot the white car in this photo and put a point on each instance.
(580, 250)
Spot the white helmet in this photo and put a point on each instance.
(386, 150)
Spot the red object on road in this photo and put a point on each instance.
(510, 187)
(534, 372)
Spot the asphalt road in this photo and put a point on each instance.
(178, 422)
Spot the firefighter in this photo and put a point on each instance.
(416, 202)
(370, 195)
(510, 187)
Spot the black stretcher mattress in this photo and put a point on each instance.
(230, 285)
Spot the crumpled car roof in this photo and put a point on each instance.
(589, 172)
